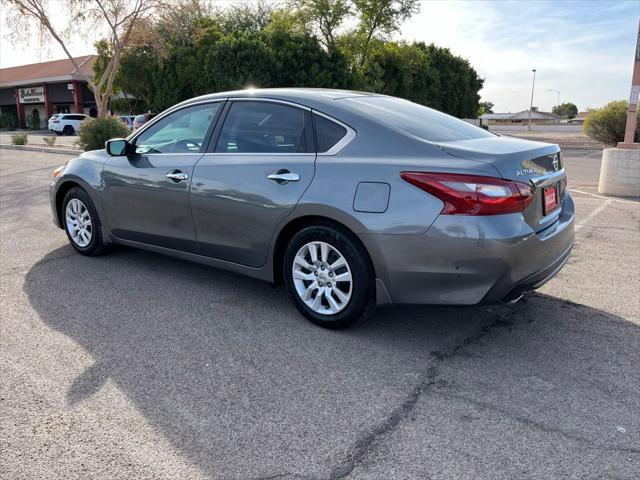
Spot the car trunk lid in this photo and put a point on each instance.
(537, 163)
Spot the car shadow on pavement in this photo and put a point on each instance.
(225, 368)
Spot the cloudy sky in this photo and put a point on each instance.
(583, 48)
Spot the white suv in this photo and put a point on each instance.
(66, 123)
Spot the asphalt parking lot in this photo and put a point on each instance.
(135, 365)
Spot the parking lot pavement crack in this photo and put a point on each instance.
(283, 476)
(366, 443)
(537, 425)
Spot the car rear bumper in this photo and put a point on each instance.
(466, 260)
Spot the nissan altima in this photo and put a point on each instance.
(349, 199)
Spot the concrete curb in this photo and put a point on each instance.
(29, 148)
(620, 172)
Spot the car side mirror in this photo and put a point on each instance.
(118, 147)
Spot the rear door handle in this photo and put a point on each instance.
(283, 176)
(177, 175)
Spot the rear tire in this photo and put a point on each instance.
(68, 130)
(81, 223)
(329, 276)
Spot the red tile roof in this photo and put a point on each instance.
(36, 72)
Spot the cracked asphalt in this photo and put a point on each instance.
(134, 365)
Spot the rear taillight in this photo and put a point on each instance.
(55, 121)
(472, 194)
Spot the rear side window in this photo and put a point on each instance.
(263, 127)
(423, 122)
(328, 133)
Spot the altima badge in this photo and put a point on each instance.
(526, 171)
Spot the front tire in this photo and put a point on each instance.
(329, 276)
(81, 223)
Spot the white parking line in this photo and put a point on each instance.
(602, 196)
(595, 212)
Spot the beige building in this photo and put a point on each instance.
(39, 90)
(521, 118)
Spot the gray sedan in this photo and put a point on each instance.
(350, 199)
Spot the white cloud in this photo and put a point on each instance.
(587, 57)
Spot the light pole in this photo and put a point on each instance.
(533, 85)
(558, 92)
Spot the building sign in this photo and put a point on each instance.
(31, 95)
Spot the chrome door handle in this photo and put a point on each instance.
(177, 176)
(283, 176)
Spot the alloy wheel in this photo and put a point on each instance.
(78, 222)
(322, 278)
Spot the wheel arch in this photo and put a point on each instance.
(67, 184)
(60, 194)
(298, 223)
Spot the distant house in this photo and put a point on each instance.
(521, 118)
(47, 88)
(580, 118)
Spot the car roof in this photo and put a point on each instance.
(317, 96)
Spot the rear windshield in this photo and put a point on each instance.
(423, 122)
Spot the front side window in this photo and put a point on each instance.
(263, 127)
(182, 131)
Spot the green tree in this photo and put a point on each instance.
(247, 17)
(565, 110)
(399, 69)
(192, 50)
(326, 15)
(380, 18)
(607, 124)
(485, 107)
(456, 83)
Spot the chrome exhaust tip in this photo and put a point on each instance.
(516, 299)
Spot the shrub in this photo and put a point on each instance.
(95, 131)
(49, 140)
(19, 139)
(607, 124)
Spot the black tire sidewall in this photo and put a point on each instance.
(68, 130)
(363, 285)
(95, 245)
